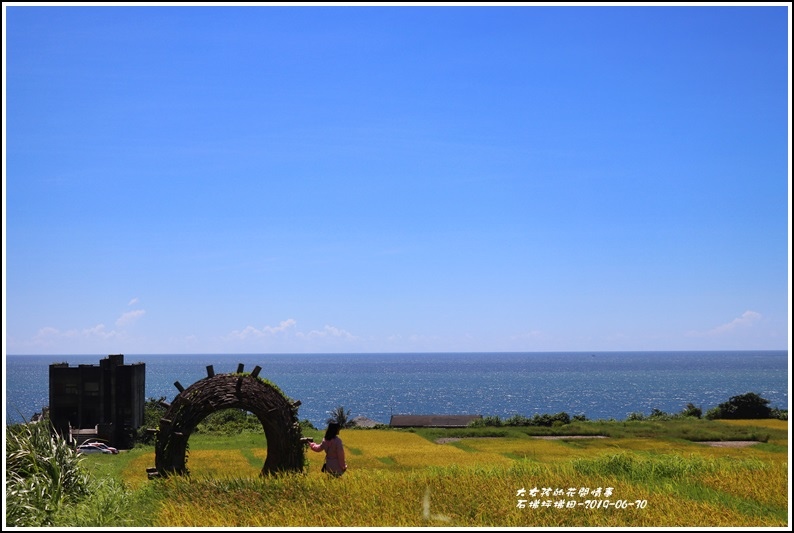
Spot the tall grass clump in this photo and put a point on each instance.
(653, 468)
(48, 485)
(111, 504)
(43, 474)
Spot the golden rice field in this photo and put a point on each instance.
(400, 479)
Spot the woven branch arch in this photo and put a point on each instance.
(277, 413)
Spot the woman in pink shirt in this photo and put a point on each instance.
(334, 451)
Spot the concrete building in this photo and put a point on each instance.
(104, 402)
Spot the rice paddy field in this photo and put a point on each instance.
(424, 478)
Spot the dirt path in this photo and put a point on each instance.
(446, 440)
(715, 443)
(729, 443)
(560, 437)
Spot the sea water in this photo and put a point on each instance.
(598, 385)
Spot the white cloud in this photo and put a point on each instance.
(98, 331)
(282, 326)
(133, 302)
(249, 331)
(130, 317)
(74, 340)
(287, 330)
(330, 332)
(748, 319)
(252, 332)
(47, 332)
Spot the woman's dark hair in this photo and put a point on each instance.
(332, 431)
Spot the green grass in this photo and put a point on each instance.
(687, 428)
(463, 446)
(228, 442)
(403, 478)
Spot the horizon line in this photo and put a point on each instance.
(406, 353)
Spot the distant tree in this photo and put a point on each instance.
(517, 420)
(153, 411)
(743, 406)
(561, 418)
(341, 416)
(493, 421)
(306, 424)
(230, 421)
(691, 410)
(548, 420)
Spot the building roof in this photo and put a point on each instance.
(432, 421)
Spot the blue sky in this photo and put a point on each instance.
(395, 179)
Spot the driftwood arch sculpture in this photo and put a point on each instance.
(277, 413)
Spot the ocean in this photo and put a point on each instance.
(598, 385)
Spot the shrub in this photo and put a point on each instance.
(743, 406)
(229, 422)
(517, 420)
(658, 414)
(486, 421)
(691, 410)
(153, 411)
(547, 420)
(561, 418)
